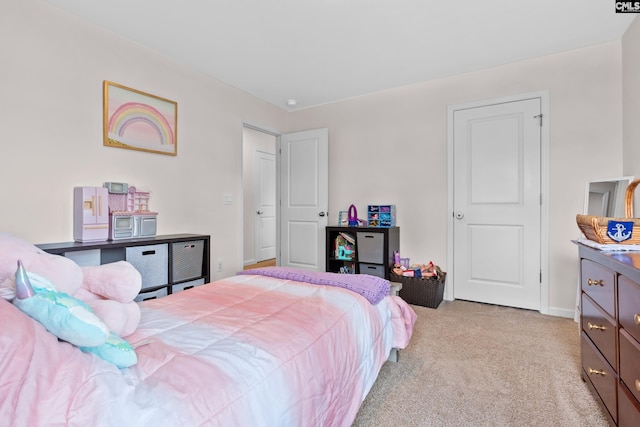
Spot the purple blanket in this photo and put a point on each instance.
(372, 288)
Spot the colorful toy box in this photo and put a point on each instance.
(381, 215)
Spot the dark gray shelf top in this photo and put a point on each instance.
(78, 246)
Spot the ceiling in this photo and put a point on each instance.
(321, 51)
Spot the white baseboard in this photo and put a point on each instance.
(555, 311)
(562, 312)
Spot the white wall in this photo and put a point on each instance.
(51, 74)
(631, 104)
(390, 147)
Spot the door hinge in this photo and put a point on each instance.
(539, 117)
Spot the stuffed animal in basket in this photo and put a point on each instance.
(108, 289)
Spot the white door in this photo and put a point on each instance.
(497, 203)
(264, 197)
(304, 198)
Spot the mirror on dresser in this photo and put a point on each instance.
(605, 197)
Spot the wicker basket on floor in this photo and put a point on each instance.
(596, 227)
(424, 291)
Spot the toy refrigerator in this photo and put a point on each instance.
(90, 214)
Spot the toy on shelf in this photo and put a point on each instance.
(345, 247)
(352, 218)
(381, 216)
(347, 269)
(345, 253)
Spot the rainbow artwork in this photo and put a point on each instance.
(140, 121)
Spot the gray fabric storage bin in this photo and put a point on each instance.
(158, 293)
(370, 247)
(372, 269)
(186, 261)
(152, 261)
(186, 285)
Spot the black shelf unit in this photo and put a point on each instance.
(374, 250)
(173, 278)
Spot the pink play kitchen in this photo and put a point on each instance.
(112, 212)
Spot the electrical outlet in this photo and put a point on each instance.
(219, 265)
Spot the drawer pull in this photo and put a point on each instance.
(598, 327)
(596, 372)
(593, 282)
(636, 318)
(638, 385)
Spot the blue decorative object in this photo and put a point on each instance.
(381, 216)
(70, 319)
(115, 350)
(620, 231)
(64, 316)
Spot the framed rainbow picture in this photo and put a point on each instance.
(139, 121)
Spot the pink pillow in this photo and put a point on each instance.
(119, 281)
(121, 318)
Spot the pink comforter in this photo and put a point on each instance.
(244, 351)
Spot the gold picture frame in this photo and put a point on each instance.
(136, 120)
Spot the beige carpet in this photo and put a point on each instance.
(471, 364)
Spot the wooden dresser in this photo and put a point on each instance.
(610, 331)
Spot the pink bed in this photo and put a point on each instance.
(244, 351)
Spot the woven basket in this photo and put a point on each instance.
(596, 227)
(424, 291)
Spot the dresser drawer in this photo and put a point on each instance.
(630, 362)
(629, 306)
(598, 372)
(628, 408)
(598, 282)
(601, 328)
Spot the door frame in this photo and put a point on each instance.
(263, 129)
(256, 239)
(543, 95)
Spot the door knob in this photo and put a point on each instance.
(459, 215)
(259, 212)
(321, 214)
